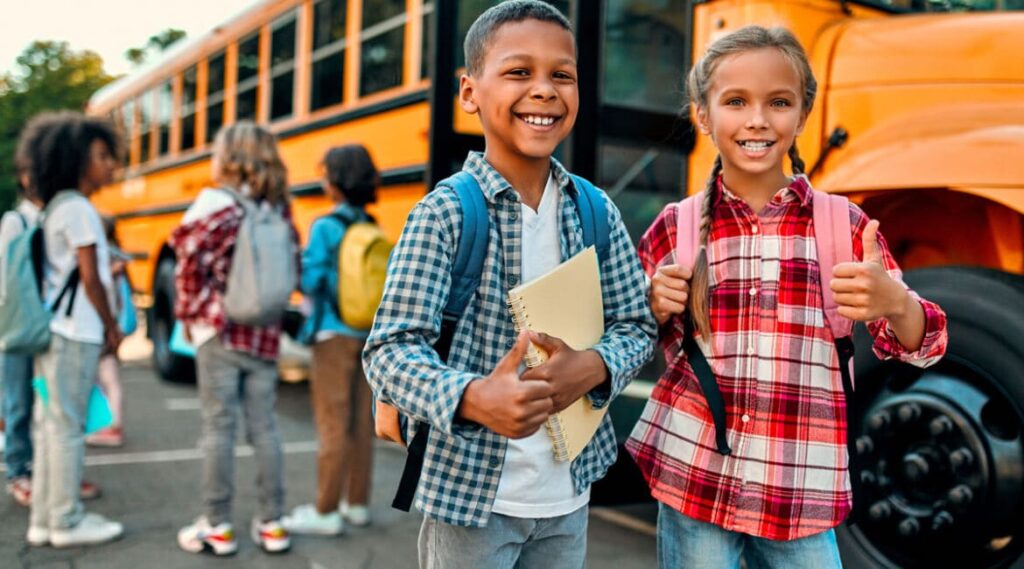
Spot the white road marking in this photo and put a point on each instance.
(624, 520)
(183, 404)
(180, 455)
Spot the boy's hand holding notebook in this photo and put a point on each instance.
(572, 373)
(565, 303)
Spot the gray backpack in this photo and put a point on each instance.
(262, 275)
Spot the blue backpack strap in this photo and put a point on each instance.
(467, 266)
(468, 263)
(593, 216)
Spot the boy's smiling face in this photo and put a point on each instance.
(525, 91)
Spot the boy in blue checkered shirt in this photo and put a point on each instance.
(491, 492)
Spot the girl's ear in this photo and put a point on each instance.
(802, 123)
(702, 120)
(467, 99)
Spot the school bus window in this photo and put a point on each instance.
(428, 27)
(643, 50)
(383, 46)
(247, 77)
(145, 113)
(328, 53)
(188, 108)
(640, 178)
(165, 99)
(282, 66)
(214, 96)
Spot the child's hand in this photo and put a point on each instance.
(864, 291)
(506, 404)
(670, 289)
(572, 373)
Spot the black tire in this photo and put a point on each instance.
(168, 365)
(984, 363)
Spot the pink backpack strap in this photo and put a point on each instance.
(833, 237)
(688, 229)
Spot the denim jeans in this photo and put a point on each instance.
(230, 382)
(684, 542)
(506, 543)
(69, 368)
(17, 398)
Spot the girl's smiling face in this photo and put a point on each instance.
(754, 113)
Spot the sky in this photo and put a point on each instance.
(108, 27)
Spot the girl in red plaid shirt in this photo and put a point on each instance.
(236, 364)
(753, 301)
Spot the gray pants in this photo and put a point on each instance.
(229, 381)
(69, 369)
(506, 543)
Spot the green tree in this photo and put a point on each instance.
(49, 76)
(156, 43)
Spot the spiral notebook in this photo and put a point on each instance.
(565, 303)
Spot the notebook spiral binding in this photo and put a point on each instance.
(521, 321)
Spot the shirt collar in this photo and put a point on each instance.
(494, 184)
(798, 189)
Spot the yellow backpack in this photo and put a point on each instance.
(362, 267)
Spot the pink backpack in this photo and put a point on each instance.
(834, 241)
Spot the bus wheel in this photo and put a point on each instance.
(169, 366)
(939, 468)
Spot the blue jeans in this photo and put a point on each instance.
(18, 398)
(506, 543)
(684, 542)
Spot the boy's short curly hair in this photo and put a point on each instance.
(30, 135)
(483, 29)
(60, 155)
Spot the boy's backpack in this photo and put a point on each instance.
(362, 267)
(833, 238)
(24, 316)
(467, 266)
(262, 274)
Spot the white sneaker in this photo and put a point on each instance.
(305, 519)
(270, 536)
(94, 529)
(358, 515)
(201, 536)
(38, 536)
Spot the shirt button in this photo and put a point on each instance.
(750, 351)
(752, 291)
(512, 280)
(511, 342)
(745, 418)
(753, 229)
(513, 216)
(495, 461)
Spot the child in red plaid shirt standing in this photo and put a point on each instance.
(235, 363)
(766, 477)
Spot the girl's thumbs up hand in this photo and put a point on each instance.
(505, 403)
(864, 291)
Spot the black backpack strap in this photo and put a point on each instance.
(709, 385)
(467, 266)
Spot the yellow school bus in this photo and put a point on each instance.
(919, 119)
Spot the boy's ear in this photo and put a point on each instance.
(467, 94)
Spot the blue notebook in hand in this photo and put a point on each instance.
(97, 415)
(179, 345)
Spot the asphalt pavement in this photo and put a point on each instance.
(152, 486)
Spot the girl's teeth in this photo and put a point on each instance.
(755, 145)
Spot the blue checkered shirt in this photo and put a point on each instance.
(463, 460)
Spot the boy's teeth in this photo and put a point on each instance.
(543, 121)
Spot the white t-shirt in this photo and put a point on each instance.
(533, 484)
(11, 225)
(208, 202)
(72, 224)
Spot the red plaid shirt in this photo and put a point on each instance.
(203, 249)
(773, 355)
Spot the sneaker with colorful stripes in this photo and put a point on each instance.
(201, 537)
(270, 536)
